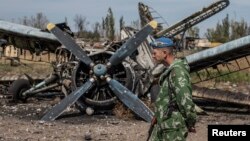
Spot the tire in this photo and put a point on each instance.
(17, 88)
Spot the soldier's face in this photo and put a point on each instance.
(159, 55)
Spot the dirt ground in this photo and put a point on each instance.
(21, 122)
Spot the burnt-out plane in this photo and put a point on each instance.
(101, 91)
(96, 75)
(29, 38)
(122, 71)
(101, 96)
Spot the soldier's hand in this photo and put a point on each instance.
(192, 129)
(153, 121)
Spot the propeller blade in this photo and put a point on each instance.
(57, 110)
(131, 44)
(130, 100)
(70, 44)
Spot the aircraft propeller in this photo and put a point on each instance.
(100, 73)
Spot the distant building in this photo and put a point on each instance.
(11, 51)
(199, 43)
(205, 43)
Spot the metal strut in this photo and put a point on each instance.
(194, 19)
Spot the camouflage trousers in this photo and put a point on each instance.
(178, 134)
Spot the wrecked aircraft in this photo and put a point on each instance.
(102, 96)
(72, 74)
(33, 39)
(100, 74)
(134, 75)
(148, 13)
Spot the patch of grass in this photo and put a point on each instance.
(122, 112)
(4, 68)
(31, 68)
(236, 77)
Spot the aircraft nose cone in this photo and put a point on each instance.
(100, 70)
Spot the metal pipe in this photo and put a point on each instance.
(49, 94)
(48, 80)
(32, 93)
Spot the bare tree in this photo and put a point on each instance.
(24, 21)
(81, 24)
(39, 21)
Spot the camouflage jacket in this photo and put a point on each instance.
(179, 94)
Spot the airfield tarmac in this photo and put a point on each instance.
(21, 122)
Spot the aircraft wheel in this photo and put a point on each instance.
(17, 88)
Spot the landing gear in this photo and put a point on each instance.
(17, 88)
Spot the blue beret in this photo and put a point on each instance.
(162, 43)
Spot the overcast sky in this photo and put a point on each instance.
(171, 10)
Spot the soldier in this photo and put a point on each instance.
(174, 109)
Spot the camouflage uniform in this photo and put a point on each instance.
(174, 108)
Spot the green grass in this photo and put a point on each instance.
(236, 77)
(4, 68)
(40, 68)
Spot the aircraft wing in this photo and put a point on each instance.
(208, 64)
(26, 37)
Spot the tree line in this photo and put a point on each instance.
(228, 30)
(224, 31)
(105, 29)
